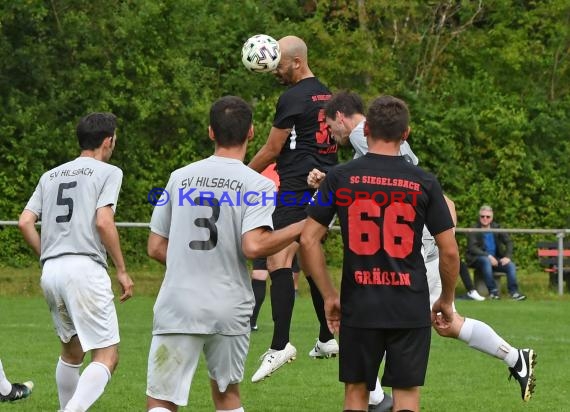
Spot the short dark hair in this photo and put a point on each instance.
(230, 120)
(388, 118)
(94, 128)
(348, 103)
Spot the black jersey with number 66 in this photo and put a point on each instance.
(382, 204)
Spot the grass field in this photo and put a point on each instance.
(458, 378)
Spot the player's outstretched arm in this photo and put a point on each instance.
(270, 150)
(314, 262)
(105, 223)
(262, 242)
(27, 225)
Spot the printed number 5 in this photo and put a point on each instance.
(364, 232)
(65, 201)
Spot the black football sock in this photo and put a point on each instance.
(259, 290)
(282, 293)
(319, 304)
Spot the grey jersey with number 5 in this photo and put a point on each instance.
(207, 288)
(66, 200)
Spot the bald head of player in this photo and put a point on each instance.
(293, 66)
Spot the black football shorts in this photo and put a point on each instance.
(261, 264)
(361, 351)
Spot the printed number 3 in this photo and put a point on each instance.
(364, 232)
(207, 223)
(65, 201)
(322, 136)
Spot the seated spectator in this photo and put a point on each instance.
(490, 252)
(468, 283)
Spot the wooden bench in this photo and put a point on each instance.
(548, 258)
(481, 286)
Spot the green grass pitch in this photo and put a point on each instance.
(458, 378)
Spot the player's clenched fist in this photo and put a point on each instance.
(315, 178)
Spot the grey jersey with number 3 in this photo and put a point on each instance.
(66, 200)
(207, 288)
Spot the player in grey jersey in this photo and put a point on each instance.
(76, 204)
(205, 235)
(344, 117)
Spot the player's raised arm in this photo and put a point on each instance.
(270, 150)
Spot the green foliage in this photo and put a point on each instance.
(488, 84)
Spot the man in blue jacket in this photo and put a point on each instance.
(490, 252)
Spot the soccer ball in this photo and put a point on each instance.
(261, 53)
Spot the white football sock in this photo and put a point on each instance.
(377, 395)
(90, 387)
(240, 409)
(66, 378)
(159, 409)
(5, 385)
(482, 337)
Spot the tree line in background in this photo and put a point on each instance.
(487, 82)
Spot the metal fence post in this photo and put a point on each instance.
(560, 236)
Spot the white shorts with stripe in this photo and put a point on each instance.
(434, 281)
(80, 298)
(173, 359)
